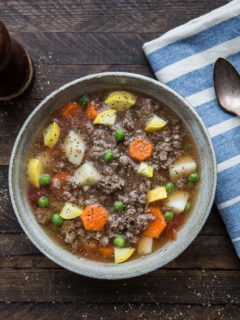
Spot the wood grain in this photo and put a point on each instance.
(68, 39)
(153, 311)
(174, 286)
(102, 16)
(85, 48)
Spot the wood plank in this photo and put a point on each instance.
(205, 252)
(6, 144)
(155, 311)
(8, 221)
(214, 223)
(85, 48)
(102, 16)
(161, 286)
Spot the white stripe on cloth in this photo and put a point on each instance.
(224, 126)
(228, 163)
(199, 60)
(202, 97)
(228, 203)
(236, 239)
(195, 26)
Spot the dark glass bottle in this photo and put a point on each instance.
(16, 69)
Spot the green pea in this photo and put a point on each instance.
(57, 219)
(188, 206)
(194, 177)
(119, 242)
(119, 134)
(45, 179)
(170, 186)
(108, 155)
(168, 215)
(118, 205)
(83, 101)
(43, 202)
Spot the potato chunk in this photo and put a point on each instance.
(122, 254)
(87, 174)
(145, 170)
(107, 118)
(155, 123)
(145, 245)
(182, 167)
(35, 169)
(177, 201)
(51, 135)
(120, 100)
(70, 211)
(74, 148)
(157, 194)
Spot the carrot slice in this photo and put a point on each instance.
(140, 149)
(59, 182)
(106, 252)
(157, 226)
(70, 109)
(94, 217)
(91, 111)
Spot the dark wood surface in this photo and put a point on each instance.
(66, 40)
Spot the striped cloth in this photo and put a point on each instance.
(183, 59)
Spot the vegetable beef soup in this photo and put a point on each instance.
(113, 176)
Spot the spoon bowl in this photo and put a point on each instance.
(227, 86)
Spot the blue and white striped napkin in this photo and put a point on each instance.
(183, 59)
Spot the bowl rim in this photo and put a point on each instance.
(150, 267)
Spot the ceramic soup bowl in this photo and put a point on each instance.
(37, 119)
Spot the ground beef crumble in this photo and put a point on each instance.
(168, 145)
(111, 184)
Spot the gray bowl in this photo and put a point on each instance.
(17, 175)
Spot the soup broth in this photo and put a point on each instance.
(113, 176)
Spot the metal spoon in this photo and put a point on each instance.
(227, 85)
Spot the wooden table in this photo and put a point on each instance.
(69, 39)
